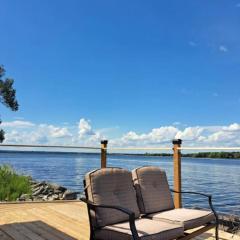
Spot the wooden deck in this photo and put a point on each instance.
(54, 221)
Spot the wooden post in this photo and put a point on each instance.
(177, 172)
(104, 153)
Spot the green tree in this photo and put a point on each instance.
(7, 95)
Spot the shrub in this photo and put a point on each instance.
(12, 185)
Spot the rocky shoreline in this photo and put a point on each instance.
(229, 223)
(44, 191)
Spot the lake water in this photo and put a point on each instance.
(219, 177)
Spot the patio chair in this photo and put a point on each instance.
(113, 210)
(155, 202)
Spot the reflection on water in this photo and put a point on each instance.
(219, 177)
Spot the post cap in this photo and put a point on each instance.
(104, 142)
(177, 141)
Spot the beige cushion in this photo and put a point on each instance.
(152, 188)
(111, 186)
(147, 230)
(190, 218)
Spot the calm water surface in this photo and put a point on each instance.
(219, 177)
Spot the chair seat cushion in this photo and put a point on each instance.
(190, 218)
(147, 230)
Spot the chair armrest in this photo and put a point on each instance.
(130, 213)
(204, 195)
(196, 193)
(92, 205)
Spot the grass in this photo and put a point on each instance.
(12, 185)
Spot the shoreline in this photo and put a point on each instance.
(200, 155)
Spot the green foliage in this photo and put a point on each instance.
(12, 185)
(232, 155)
(7, 95)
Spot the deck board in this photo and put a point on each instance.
(56, 221)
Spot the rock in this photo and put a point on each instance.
(25, 197)
(45, 198)
(60, 195)
(38, 191)
(46, 190)
(40, 196)
(39, 184)
(68, 195)
(43, 191)
(58, 192)
(56, 187)
(52, 197)
(82, 195)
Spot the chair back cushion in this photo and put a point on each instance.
(111, 186)
(153, 192)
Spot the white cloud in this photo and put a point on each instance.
(83, 134)
(223, 48)
(18, 124)
(85, 128)
(25, 132)
(20, 132)
(192, 136)
(13, 137)
(87, 135)
(155, 136)
(58, 132)
(232, 127)
(190, 133)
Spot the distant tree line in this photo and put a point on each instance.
(232, 155)
(213, 155)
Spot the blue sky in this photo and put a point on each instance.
(122, 66)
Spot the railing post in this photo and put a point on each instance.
(177, 172)
(104, 153)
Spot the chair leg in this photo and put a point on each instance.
(216, 232)
(92, 236)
